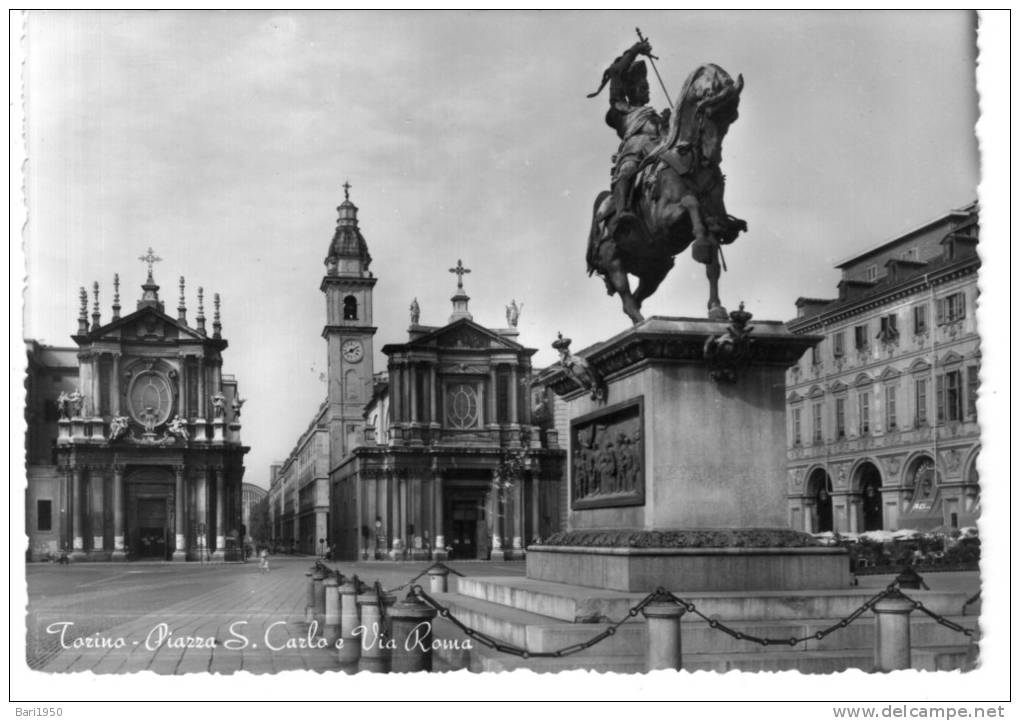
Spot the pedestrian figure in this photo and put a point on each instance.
(264, 561)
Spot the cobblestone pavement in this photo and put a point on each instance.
(173, 619)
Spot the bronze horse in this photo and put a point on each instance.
(678, 199)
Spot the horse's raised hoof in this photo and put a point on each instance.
(718, 312)
(703, 251)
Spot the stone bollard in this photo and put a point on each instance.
(663, 635)
(331, 624)
(412, 633)
(438, 575)
(892, 632)
(375, 644)
(310, 601)
(349, 651)
(319, 600)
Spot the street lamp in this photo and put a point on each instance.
(322, 547)
(378, 532)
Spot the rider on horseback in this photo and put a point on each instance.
(638, 125)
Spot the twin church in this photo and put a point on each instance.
(437, 456)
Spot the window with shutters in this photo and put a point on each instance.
(920, 402)
(972, 392)
(796, 426)
(887, 331)
(816, 431)
(920, 319)
(837, 345)
(951, 309)
(840, 418)
(864, 412)
(816, 355)
(890, 408)
(861, 337)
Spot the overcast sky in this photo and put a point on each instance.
(222, 140)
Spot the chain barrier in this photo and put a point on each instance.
(486, 640)
(662, 595)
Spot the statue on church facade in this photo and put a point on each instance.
(235, 405)
(176, 428)
(513, 313)
(118, 427)
(667, 186)
(415, 312)
(64, 405)
(76, 403)
(219, 403)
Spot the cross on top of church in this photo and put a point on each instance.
(460, 270)
(347, 190)
(149, 258)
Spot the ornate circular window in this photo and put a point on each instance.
(462, 406)
(151, 399)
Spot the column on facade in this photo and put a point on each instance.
(512, 392)
(96, 384)
(96, 500)
(118, 508)
(77, 518)
(809, 516)
(490, 397)
(854, 513)
(406, 381)
(497, 508)
(180, 545)
(438, 534)
(395, 409)
(85, 381)
(202, 404)
(220, 515)
(217, 369)
(181, 387)
(518, 517)
(201, 513)
(536, 517)
(413, 389)
(432, 394)
(115, 386)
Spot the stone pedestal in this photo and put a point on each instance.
(677, 469)
(217, 430)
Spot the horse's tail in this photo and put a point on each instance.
(594, 236)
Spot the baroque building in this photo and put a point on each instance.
(436, 456)
(882, 413)
(134, 437)
(299, 491)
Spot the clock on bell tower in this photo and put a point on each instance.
(348, 285)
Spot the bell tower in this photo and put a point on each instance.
(348, 285)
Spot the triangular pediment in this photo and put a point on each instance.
(464, 334)
(794, 397)
(889, 373)
(146, 323)
(863, 379)
(837, 387)
(816, 392)
(919, 366)
(951, 358)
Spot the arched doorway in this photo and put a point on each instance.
(870, 483)
(820, 491)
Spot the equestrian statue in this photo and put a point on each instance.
(667, 188)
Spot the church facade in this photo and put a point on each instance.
(134, 444)
(437, 456)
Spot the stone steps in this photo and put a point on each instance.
(540, 617)
(582, 604)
